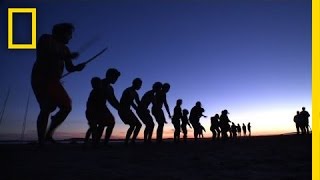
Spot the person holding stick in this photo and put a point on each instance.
(52, 56)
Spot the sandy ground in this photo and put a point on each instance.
(270, 157)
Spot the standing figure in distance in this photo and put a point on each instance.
(177, 115)
(185, 122)
(215, 127)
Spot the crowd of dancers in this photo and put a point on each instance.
(53, 56)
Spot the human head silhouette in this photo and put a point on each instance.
(185, 112)
(95, 82)
(157, 86)
(179, 102)
(198, 104)
(112, 75)
(303, 108)
(63, 32)
(166, 87)
(137, 83)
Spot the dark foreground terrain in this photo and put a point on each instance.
(266, 157)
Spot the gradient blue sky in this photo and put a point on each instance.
(250, 57)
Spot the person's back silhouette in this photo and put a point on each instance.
(249, 128)
(130, 98)
(177, 115)
(144, 113)
(52, 56)
(160, 100)
(185, 122)
(224, 124)
(215, 127)
(95, 109)
(244, 129)
(304, 115)
(297, 120)
(195, 115)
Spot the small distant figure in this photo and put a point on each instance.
(177, 115)
(234, 130)
(185, 122)
(53, 55)
(96, 107)
(244, 129)
(108, 121)
(224, 124)
(304, 115)
(130, 98)
(195, 115)
(160, 100)
(215, 127)
(297, 121)
(201, 130)
(249, 128)
(239, 129)
(144, 113)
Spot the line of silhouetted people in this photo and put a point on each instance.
(53, 56)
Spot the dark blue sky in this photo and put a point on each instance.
(250, 57)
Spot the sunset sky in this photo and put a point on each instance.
(250, 57)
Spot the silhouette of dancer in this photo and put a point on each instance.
(239, 129)
(177, 115)
(215, 127)
(185, 122)
(201, 129)
(144, 113)
(130, 98)
(108, 121)
(52, 56)
(234, 130)
(96, 107)
(160, 100)
(298, 123)
(195, 115)
(304, 115)
(244, 129)
(224, 124)
(249, 128)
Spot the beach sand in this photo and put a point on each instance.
(262, 157)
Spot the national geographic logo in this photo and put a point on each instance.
(31, 11)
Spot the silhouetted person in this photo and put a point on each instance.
(215, 127)
(224, 124)
(185, 122)
(304, 115)
(130, 98)
(201, 130)
(239, 129)
(298, 123)
(108, 121)
(195, 115)
(52, 56)
(96, 108)
(160, 100)
(177, 115)
(144, 113)
(249, 128)
(244, 129)
(234, 130)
